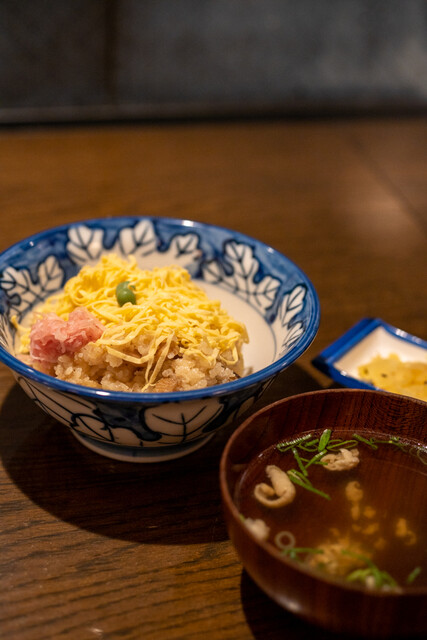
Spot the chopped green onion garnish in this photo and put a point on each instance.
(293, 551)
(358, 556)
(315, 458)
(285, 446)
(342, 444)
(303, 477)
(324, 439)
(413, 575)
(293, 474)
(365, 440)
(312, 443)
(310, 446)
(299, 461)
(358, 574)
(381, 577)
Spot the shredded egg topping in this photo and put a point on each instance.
(169, 306)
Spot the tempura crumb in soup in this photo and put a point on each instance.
(116, 326)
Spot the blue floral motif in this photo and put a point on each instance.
(112, 425)
(239, 272)
(81, 415)
(172, 423)
(6, 338)
(237, 407)
(287, 331)
(178, 422)
(129, 418)
(24, 291)
(85, 245)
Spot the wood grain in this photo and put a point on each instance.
(94, 549)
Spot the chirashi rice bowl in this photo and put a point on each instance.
(164, 334)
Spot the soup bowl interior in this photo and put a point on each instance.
(255, 284)
(313, 595)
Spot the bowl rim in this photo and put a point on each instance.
(255, 378)
(268, 548)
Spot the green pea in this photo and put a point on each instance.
(125, 293)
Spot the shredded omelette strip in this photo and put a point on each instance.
(168, 305)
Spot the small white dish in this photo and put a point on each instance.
(370, 337)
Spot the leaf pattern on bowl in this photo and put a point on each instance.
(165, 424)
(86, 245)
(239, 274)
(291, 305)
(178, 422)
(140, 240)
(6, 337)
(79, 414)
(183, 250)
(24, 292)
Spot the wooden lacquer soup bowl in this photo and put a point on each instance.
(385, 425)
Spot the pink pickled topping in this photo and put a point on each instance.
(51, 336)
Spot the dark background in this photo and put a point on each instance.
(76, 60)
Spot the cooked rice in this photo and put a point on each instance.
(93, 366)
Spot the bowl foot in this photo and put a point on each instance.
(143, 454)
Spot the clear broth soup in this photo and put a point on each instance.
(365, 524)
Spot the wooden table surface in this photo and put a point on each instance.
(97, 549)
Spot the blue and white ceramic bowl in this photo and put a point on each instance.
(255, 283)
